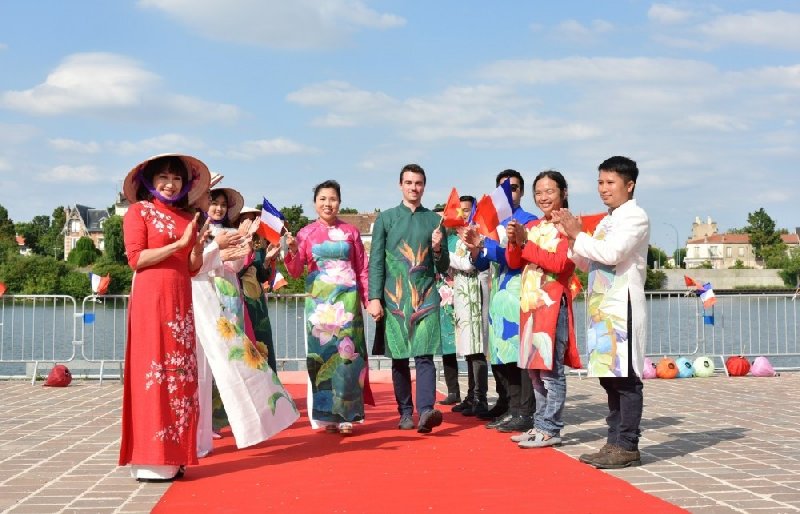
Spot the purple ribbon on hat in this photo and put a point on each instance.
(169, 201)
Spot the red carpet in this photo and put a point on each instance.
(380, 469)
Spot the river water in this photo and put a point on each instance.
(57, 331)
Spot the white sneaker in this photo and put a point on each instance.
(540, 442)
(525, 436)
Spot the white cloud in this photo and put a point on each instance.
(70, 174)
(156, 145)
(668, 14)
(577, 31)
(773, 29)
(298, 24)
(598, 69)
(248, 150)
(702, 121)
(775, 196)
(71, 145)
(479, 114)
(105, 84)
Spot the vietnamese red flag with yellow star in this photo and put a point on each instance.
(589, 222)
(453, 214)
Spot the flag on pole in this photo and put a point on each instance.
(275, 281)
(493, 209)
(703, 290)
(453, 214)
(99, 284)
(2, 289)
(270, 225)
(575, 286)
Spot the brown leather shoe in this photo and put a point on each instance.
(617, 458)
(589, 458)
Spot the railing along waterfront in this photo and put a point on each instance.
(46, 329)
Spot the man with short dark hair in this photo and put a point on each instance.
(513, 411)
(616, 258)
(406, 252)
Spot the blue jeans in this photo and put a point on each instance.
(550, 386)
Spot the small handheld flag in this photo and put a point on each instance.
(589, 222)
(2, 289)
(493, 209)
(271, 223)
(276, 280)
(99, 284)
(453, 215)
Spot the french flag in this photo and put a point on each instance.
(493, 209)
(271, 224)
(99, 284)
(276, 280)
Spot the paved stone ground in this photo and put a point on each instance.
(717, 445)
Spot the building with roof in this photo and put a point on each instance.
(83, 221)
(364, 222)
(723, 250)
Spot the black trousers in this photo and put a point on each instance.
(450, 365)
(625, 401)
(477, 377)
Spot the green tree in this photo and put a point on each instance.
(656, 257)
(295, 219)
(114, 241)
(680, 257)
(84, 252)
(655, 279)
(52, 243)
(739, 264)
(34, 233)
(765, 239)
(348, 210)
(121, 274)
(790, 271)
(6, 225)
(34, 275)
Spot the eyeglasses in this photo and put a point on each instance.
(546, 192)
(514, 187)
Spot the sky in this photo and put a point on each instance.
(278, 96)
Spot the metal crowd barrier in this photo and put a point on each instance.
(45, 329)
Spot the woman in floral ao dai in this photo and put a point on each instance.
(333, 254)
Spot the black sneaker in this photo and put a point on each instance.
(478, 409)
(498, 411)
(451, 399)
(496, 422)
(428, 420)
(516, 424)
(406, 422)
(463, 406)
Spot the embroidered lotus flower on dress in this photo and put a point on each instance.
(544, 235)
(532, 295)
(337, 234)
(347, 349)
(339, 273)
(328, 320)
(446, 294)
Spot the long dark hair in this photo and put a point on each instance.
(216, 193)
(556, 177)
